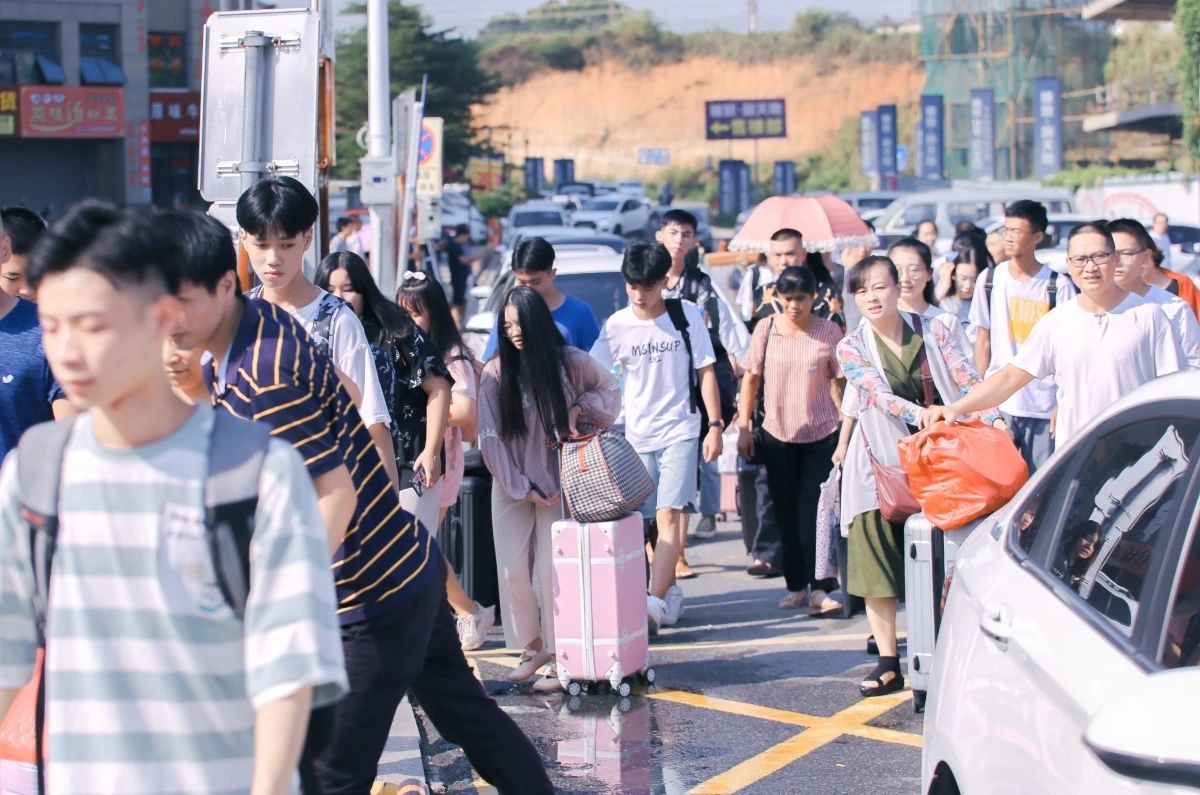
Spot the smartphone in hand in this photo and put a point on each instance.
(418, 481)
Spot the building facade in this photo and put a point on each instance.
(100, 98)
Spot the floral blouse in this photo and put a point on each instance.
(402, 371)
(873, 386)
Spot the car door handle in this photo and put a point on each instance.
(996, 622)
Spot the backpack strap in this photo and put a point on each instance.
(39, 470)
(923, 357)
(680, 322)
(236, 455)
(988, 282)
(1052, 290)
(322, 333)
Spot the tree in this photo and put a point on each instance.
(456, 82)
(1187, 25)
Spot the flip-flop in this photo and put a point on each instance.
(821, 604)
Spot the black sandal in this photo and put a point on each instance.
(885, 666)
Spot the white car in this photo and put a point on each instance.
(533, 213)
(620, 215)
(1068, 652)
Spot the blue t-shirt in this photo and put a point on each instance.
(27, 387)
(575, 319)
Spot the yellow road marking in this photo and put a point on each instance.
(737, 708)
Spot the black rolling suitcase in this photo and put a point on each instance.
(466, 534)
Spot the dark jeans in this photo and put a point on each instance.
(766, 546)
(795, 473)
(417, 648)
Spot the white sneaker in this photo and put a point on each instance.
(674, 602)
(656, 613)
(473, 629)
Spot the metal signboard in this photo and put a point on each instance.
(983, 134)
(868, 142)
(535, 176)
(785, 177)
(886, 115)
(931, 146)
(738, 119)
(654, 156)
(564, 171)
(286, 126)
(1047, 126)
(733, 186)
(429, 159)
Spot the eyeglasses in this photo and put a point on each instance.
(1099, 258)
(1131, 253)
(414, 276)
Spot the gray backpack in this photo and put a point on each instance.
(237, 449)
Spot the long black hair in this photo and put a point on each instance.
(922, 251)
(379, 315)
(426, 297)
(815, 262)
(536, 371)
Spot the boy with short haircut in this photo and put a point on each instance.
(660, 366)
(1098, 347)
(533, 266)
(1010, 300)
(397, 629)
(153, 683)
(20, 228)
(277, 216)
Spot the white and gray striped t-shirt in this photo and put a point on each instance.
(152, 682)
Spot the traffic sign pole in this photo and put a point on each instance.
(379, 136)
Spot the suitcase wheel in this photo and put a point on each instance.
(919, 701)
(623, 690)
(649, 676)
(574, 703)
(624, 705)
(574, 689)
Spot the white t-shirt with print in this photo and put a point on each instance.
(1096, 359)
(1183, 322)
(1020, 304)
(653, 365)
(352, 354)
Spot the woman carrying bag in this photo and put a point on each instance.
(538, 389)
(792, 356)
(896, 364)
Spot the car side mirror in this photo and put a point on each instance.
(1146, 731)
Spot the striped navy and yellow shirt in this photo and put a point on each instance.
(275, 375)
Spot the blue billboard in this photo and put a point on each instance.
(868, 142)
(785, 177)
(1047, 126)
(983, 134)
(535, 175)
(733, 186)
(887, 140)
(931, 142)
(564, 171)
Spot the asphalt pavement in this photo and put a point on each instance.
(748, 698)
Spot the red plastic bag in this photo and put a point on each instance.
(962, 472)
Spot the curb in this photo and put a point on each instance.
(401, 770)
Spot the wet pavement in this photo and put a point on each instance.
(748, 699)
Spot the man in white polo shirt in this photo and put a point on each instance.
(1099, 346)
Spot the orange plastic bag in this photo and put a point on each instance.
(17, 730)
(961, 472)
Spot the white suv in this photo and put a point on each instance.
(1068, 652)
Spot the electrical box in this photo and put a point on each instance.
(378, 180)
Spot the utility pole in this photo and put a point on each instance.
(753, 15)
(379, 141)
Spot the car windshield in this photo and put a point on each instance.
(873, 203)
(603, 292)
(538, 218)
(1183, 234)
(604, 205)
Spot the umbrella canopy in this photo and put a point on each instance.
(828, 224)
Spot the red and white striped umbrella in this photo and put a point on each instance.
(828, 224)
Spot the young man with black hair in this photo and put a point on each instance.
(153, 681)
(20, 228)
(397, 629)
(346, 238)
(277, 216)
(1010, 300)
(28, 391)
(460, 271)
(1098, 346)
(729, 340)
(533, 266)
(660, 365)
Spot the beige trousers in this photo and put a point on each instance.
(523, 563)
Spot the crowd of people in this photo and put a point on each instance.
(143, 340)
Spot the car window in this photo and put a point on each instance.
(869, 203)
(1181, 646)
(916, 213)
(603, 292)
(537, 218)
(1122, 505)
(602, 205)
(1183, 234)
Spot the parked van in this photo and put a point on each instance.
(950, 206)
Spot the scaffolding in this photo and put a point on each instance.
(1004, 45)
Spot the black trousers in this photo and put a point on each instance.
(795, 473)
(416, 649)
(766, 546)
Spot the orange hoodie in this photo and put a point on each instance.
(1187, 290)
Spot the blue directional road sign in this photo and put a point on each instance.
(744, 119)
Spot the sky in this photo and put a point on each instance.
(468, 16)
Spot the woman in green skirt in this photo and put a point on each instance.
(882, 361)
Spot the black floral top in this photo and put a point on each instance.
(402, 371)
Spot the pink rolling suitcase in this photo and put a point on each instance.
(600, 604)
(614, 746)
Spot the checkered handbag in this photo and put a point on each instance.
(603, 478)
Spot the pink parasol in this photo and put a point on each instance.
(828, 224)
